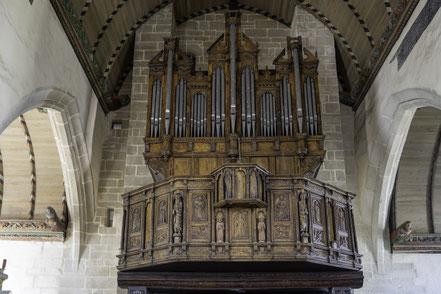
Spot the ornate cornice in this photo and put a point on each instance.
(72, 26)
(28, 230)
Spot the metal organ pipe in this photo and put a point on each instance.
(169, 90)
(233, 76)
(248, 101)
(222, 74)
(274, 118)
(282, 108)
(253, 105)
(243, 103)
(183, 108)
(298, 91)
(213, 103)
(218, 102)
(291, 119)
(198, 115)
(152, 109)
(181, 100)
(314, 107)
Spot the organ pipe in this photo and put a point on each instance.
(298, 91)
(169, 90)
(233, 76)
(198, 115)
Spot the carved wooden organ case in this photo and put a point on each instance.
(229, 150)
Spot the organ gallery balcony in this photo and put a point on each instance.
(240, 215)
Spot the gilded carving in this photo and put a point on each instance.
(282, 208)
(281, 232)
(136, 222)
(200, 207)
(318, 236)
(253, 185)
(261, 227)
(177, 218)
(227, 185)
(303, 212)
(341, 219)
(134, 242)
(162, 217)
(344, 242)
(220, 227)
(317, 212)
(240, 229)
(199, 233)
(161, 237)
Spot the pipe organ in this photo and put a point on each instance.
(233, 151)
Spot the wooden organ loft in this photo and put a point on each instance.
(233, 152)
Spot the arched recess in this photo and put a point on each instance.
(383, 165)
(69, 136)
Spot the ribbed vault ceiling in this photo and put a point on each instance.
(109, 26)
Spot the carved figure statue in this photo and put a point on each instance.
(200, 207)
(342, 219)
(402, 233)
(136, 224)
(162, 212)
(261, 228)
(253, 186)
(177, 213)
(282, 208)
(227, 185)
(240, 225)
(317, 214)
(303, 213)
(220, 227)
(53, 222)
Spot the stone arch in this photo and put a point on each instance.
(385, 157)
(71, 144)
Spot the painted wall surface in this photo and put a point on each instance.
(35, 53)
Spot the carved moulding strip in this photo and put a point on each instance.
(419, 243)
(28, 230)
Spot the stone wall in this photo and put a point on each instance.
(199, 33)
(317, 38)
